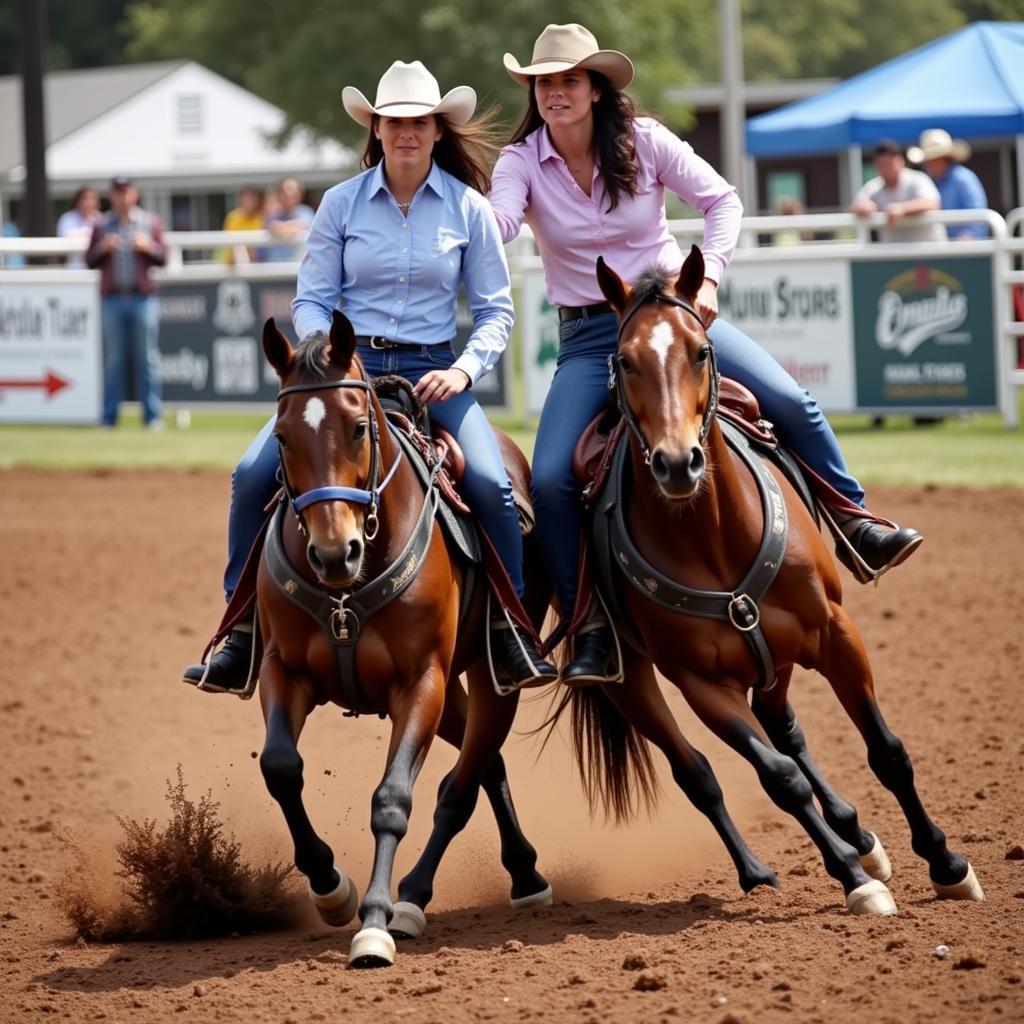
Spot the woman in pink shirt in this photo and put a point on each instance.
(588, 174)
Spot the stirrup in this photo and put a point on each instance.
(862, 572)
(253, 677)
(619, 674)
(500, 688)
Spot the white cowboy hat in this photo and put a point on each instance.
(409, 90)
(561, 47)
(936, 143)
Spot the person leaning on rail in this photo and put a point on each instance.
(588, 172)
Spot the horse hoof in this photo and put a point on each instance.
(408, 921)
(544, 898)
(371, 947)
(969, 888)
(339, 906)
(871, 898)
(876, 862)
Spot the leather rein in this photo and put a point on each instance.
(359, 495)
(615, 373)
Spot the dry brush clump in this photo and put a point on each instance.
(184, 880)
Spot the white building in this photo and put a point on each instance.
(189, 137)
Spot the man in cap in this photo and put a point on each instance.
(125, 244)
(959, 187)
(901, 194)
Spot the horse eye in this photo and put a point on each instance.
(281, 441)
(703, 353)
(360, 432)
(625, 365)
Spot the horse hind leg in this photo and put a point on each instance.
(848, 671)
(331, 891)
(776, 715)
(725, 711)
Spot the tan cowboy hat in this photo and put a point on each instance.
(936, 143)
(561, 47)
(409, 90)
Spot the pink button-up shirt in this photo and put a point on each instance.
(532, 182)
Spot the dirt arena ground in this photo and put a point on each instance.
(108, 585)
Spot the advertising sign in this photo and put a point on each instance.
(537, 322)
(924, 333)
(211, 341)
(802, 314)
(50, 355)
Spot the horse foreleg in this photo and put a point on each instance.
(285, 709)
(723, 709)
(775, 713)
(488, 723)
(848, 670)
(415, 719)
(642, 703)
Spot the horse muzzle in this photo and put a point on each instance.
(337, 566)
(678, 476)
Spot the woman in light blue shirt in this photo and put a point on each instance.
(391, 247)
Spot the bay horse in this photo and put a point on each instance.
(693, 524)
(361, 514)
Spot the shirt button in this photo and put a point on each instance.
(404, 226)
(400, 301)
(404, 249)
(392, 320)
(402, 279)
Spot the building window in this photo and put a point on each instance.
(190, 114)
(786, 184)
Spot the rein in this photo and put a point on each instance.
(615, 374)
(358, 495)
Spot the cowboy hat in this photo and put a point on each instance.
(562, 47)
(936, 143)
(409, 90)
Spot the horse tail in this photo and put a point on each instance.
(614, 760)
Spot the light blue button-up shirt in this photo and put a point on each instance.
(397, 276)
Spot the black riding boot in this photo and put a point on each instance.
(517, 661)
(592, 650)
(882, 547)
(228, 670)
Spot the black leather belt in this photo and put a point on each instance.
(582, 312)
(378, 342)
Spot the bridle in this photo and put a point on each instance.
(358, 495)
(615, 373)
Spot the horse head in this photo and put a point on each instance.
(664, 371)
(327, 433)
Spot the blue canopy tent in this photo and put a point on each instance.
(970, 82)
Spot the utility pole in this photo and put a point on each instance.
(733, 112)
(32, 31)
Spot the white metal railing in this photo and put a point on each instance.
(847, 236)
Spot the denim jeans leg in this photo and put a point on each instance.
(798, 419)
(114, 346)
(578, 393)
(253, 484)
(146, 353)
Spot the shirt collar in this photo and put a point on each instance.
(435, 181)
(545, 147)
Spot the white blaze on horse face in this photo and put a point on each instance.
(661, 341)
(314, 413)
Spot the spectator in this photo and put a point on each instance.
(246, 216)
(959, 187)
(787, 206)
(901, 194)
(290, 223)
(79, 221)
(11, 260)
(125, 244)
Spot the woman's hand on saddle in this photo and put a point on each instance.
(707, 302)
(440, 385)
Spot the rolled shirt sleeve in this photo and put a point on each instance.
(319, 282)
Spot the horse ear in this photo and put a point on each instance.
(691, 277)
(343, 341)
(615, 290)
(277, 348)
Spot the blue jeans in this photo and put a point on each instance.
(486, 486)
(131, 323)
(579, 392)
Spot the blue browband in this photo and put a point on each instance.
(356, 494)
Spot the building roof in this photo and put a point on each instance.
(73, 99)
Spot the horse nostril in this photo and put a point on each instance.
(696, 463)
(660, 466)
(354, 554)
(316, 563)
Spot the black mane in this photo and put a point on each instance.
(651, 282)
(311, 355)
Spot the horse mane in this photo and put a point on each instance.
(311, 355)
(651, 282)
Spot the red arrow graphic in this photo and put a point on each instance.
(51, 384)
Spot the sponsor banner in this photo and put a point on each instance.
(50, 354)
(802, 314)
(211, 347)
(924, 333)
(538, 334)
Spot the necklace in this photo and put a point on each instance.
(404, 207)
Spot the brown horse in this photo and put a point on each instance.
(692, 521)
(359, 508)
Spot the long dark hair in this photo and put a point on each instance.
(466, 151)
(614, 113)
